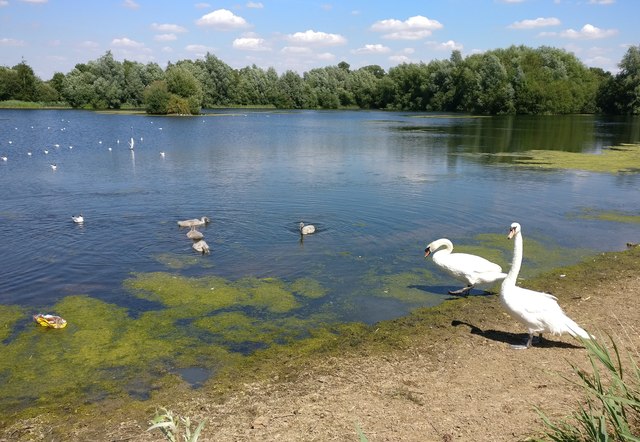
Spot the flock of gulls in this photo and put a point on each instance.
(4, 158)
(539, 312)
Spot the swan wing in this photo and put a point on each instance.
(470, 268)
(540, 312)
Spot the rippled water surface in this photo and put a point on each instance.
(378, 186)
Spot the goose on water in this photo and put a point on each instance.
(201, 246)
(194, 222)
(307, 229)
(194, 234)
(537, 311)
(471, 269)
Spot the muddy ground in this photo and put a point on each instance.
(447, 375)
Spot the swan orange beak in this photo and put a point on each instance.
(512, 231)
(427, 252)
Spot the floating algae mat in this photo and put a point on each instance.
(104, 351)
(608, 215)
(618, 159)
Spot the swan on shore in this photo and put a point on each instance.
(538, 311)
(201, 246)
(307, 229)
(194, 222)
(194, 234)
(471, 269)
(79, 219)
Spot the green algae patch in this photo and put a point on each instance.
(9, 316)
(619, 159)
(192, 295)
(308, 288)
(612, 216)
(268, 294)
(404, 286)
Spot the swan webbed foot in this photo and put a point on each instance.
(461, 292)
(525, 346)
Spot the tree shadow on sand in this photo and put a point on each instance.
(514, 338)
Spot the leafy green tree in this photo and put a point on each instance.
(157, 97)
(629, 81)
(78, 88)
(217, 80)
(291, 91)
(182, 83)
(9, 83)
(26, 82)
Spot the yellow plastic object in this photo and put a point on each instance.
(51, 321)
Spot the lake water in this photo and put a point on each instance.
(379, 186)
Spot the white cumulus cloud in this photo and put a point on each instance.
(446, 46)
(251, 44)
(414, 28)
(539, 22)
(372, 49)
(588, 32)
(126, 43)
(311, 37)
(222, 19)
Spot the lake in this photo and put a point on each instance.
(378, 186)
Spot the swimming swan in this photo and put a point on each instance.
(307, 230)
(78, 219)
(194, 222)
(194, 234)
(538, 311)
(472, 269)
(201, 246)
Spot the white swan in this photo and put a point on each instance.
(201, 246)
(194, 234)
(307, 230)
(471, 269)
(538, 311)
(78, 219)
(194, 222)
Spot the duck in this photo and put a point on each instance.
(194, 222)
(194, 234)
(307, 229)
(539, 312)
(78, 219)
(54, 166)
(471, 269)
(201, 246)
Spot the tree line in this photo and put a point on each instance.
(515, 80)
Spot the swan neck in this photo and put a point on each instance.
(516, 262)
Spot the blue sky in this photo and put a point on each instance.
(53, 35)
